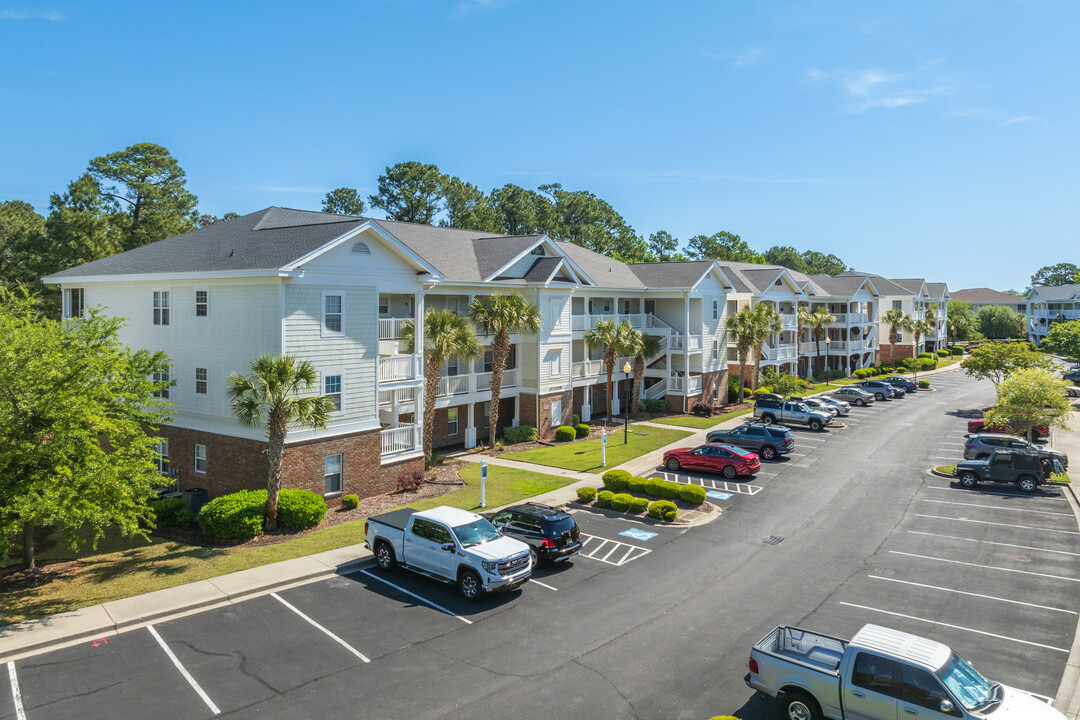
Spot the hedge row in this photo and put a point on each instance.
(619, 480)
(625, 502)
(520, 434)
(171, 512)
(239, 515)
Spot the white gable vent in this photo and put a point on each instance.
(361, 249)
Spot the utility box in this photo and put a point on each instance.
(194, 499)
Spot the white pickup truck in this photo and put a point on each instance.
(878, 674)
(452, 545)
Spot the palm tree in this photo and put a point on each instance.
(898, 320)
(742, 326)
(641, 346)
(919, 328)
(802, 317)
(614, 339)
(817, 320)
(768, 323)
(500, 315)
(446, 335)
(269, 397)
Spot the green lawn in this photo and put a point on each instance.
(700, 423)
(584, 456)
(122, 567)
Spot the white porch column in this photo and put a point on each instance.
(418, 401)
(517, 411)
(470, 429)
(686, 353)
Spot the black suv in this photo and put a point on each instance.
(897, 381)
(768, 441)
(1023, 468)
(550, 533)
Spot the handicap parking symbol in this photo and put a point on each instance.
(637, 534)
(716, 494)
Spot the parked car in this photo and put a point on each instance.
(1072, 391)
(452, 545)
(1072, 376)
(819, 404)
(978, 425)
(903, 382)
(768, 441)
(842, 407)
(981, 445)
(880, 389)
(854, 395)
(879, 673)
(1022, 468)
(550, 533)
(728, 460)
(771, 411)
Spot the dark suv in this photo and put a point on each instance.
(1023, 468)
(881, 389)
(768, 441)
(550, 533)
(979, 446)
(897, 381)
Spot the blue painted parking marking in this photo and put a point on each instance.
(637, 534)
(716, 494)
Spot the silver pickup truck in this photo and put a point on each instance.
(451, 545)
(878, 674)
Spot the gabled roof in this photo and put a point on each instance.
(842, 285)
(937, 290)
(543, 269)
(601, 270)
(685, 274)
(984, 296)
(884, 285)
(915, 286)
(1056, 292)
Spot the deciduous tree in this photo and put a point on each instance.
(996, 361)
(1060, 274)
(1030, 398)
(787, 257)
(999, 321)
(22, 242)
(1064, 339)
(821, 263)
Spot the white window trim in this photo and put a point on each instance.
(167, 307)
(205, 459)
(67, 310)
(195, 383)
(715, 309)
(195, 306)
(322, 314)
(162, 454)
(382, 312)
(340, 474)
(456, 421)
(322, 388)
(166, 392)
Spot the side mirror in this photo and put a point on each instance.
(448, 547)
(946, 707)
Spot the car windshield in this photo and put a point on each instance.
(477, 532)
(965, 683)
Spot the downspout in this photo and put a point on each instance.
(686, 352)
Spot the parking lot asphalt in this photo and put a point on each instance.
(849, 529)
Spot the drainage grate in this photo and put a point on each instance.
(773, 540)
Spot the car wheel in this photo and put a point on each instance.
(535, 557)
(384, 556)
(815, 425)
(981, 456)
(798, 706)
(672, 465)
(768, 453)
(969, 479)
(768, 419)
(730, 472)
(469, 585)
(860, 402)
(1028, 484)
(879, 396)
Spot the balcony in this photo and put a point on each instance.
(510, 379)
(595, 368)
(789, 321)
(400, 439)
(390, 328)
(398, 368)
(640, 321)
(401, 396)
(856, 318)
(683, 385)
(841, 319)
(453, 385)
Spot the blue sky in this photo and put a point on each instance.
(934, 139)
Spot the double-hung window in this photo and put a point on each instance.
(333, 316)
(202, 377)
(452, 421)
(73, 303)
(200, 459)
(163, 455)
(202, 303)
(332, 474)
(161, 307)
(161, 379)
(332, 390)
(715, 309)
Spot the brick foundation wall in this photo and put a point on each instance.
(234, 463)
(887, 353)
(442, 438)
(543, 423)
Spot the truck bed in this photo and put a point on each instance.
(396, 519)
(820, 652)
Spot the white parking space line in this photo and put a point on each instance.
(987, 522)
(986, 567)
(990, 542)
(534, 580)
(16, 695)
(183, 671)
(996, 507)
(320, 628)
(467, 621)
(971, 594)
(958, 444)
(956, 627)
(999, 494)
(722, 485)
(633, 552)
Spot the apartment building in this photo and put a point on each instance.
(336, 290)
(978, 298)
(1047, 305)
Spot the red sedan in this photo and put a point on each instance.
(714, 457)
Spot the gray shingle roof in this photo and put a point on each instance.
(912, 285)
(601, 269)
(985, 295)
(670, 274)
(937, 290)
(1057, 292)
(839, 285)
(543, 269)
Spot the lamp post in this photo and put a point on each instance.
(626, 410)
(828, 371)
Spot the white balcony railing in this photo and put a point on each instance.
(841, 319)
(397, 367)
(695, 342)
(836, 346)
(856, 318)
(510, 379)
(785, 352)
(453, 385)
(638, 320)
(657, 390)
(685, 385)
(390, 328)
(789, 321)
(401, 438)
(401, 395)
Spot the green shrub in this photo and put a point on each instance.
(350, 502)
(520, 434)
(924, 383)
(637, 485)
(616, 480)
(724, 717)
(670, 489)
(581, 430)
(603, 498)
(956, 350)
(236, 516)
(861, 374)
(926, 355)
(300, 509)
(763, 389)
(663, 510)
(564, 433)
(732, 389)
(436, 458)
(575, 419)
(803, 384)
(638, 505)
(926, 363)
(943, 353)
(654, 405)
(693, 494)
(586, 494)
(621, 501)
(171, 512)
(654, 487)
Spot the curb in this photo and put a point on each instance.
(1067, 699)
